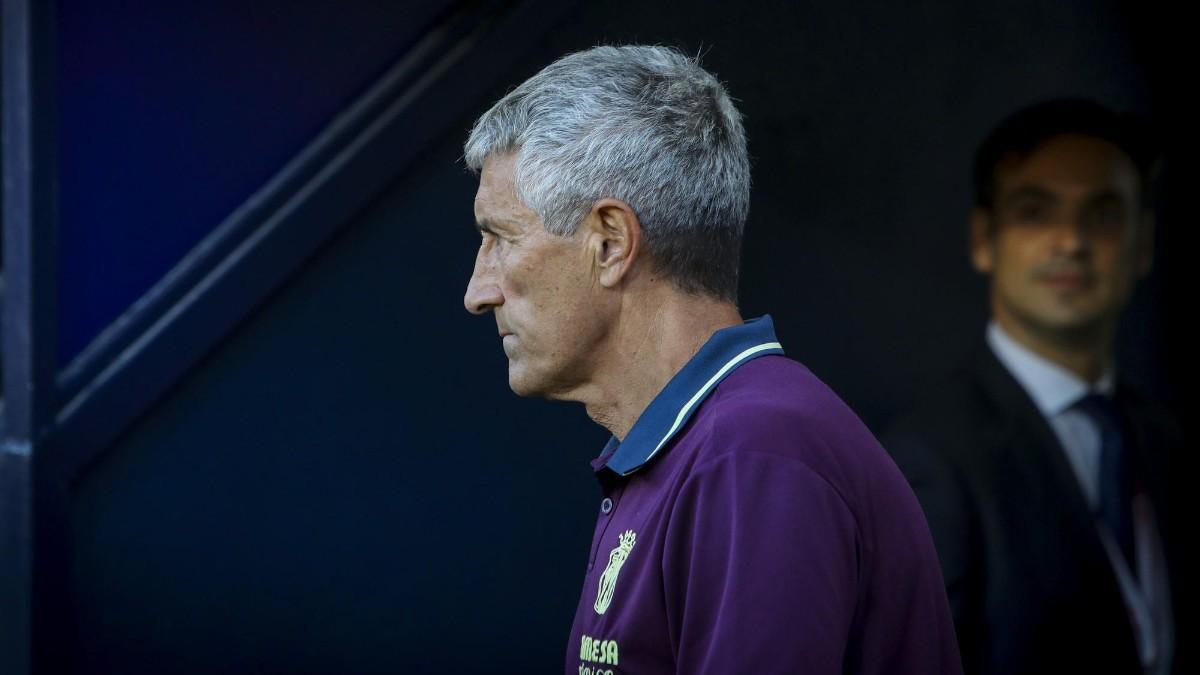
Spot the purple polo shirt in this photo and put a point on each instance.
(752, 524)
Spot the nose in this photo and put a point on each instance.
(1071, 236)
(483, 291)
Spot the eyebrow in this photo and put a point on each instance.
(1029, 192)
(485, 225)
(1034, 192)
(1106, 195)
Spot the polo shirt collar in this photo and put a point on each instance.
(670, 411)
(1053, 388)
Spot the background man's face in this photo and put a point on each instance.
(540, 287)
(1063, 241)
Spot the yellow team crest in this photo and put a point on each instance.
(616, 560)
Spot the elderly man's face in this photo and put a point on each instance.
(540, 286)
(1064, 244)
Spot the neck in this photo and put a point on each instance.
(1085, 352)
(650, 343)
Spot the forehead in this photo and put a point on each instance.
(496, 199)
(1069, 164)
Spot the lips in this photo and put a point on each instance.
(1064, 273)
(1065, 280)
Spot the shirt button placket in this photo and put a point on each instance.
(606, 508)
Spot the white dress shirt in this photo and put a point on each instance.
(1055, 391)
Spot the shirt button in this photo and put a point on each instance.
(606, 505)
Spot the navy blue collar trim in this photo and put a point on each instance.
(669, 412)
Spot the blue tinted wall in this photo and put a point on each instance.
(173, 113)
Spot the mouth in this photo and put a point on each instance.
(1066, 280)
(1066, 275)
(509, 346)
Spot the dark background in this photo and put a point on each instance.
(345, 483)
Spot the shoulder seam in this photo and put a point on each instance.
(701, 466)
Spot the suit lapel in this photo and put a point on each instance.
(1147, 452)
(1029, 434)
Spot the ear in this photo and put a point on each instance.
(615, 235)
(981, 249)
(1144, 245)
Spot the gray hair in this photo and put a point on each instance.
(645, 125)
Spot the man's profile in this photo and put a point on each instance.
(749, 521)
(1041, 471)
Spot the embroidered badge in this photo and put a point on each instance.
(616, 560)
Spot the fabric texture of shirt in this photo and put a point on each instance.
(1055, 391)
(750, 523)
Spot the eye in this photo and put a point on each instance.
(1032, 212)
(487, 242)
(1108, 217)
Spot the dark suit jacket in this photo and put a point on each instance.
(1030, 585)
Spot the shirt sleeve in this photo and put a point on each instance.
(760, 565)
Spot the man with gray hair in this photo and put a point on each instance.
(749, 523)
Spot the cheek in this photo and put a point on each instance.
(519, 279)
(1008, 266)
(1119, 272)
(566, 316)
(1019, 256)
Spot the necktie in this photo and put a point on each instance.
(1116, 475)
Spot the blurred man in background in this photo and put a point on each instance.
(1042, 473)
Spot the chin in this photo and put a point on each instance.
(1074, 316)
(521, 391)
(521, 384)
(1073, 327)
(526, 384)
